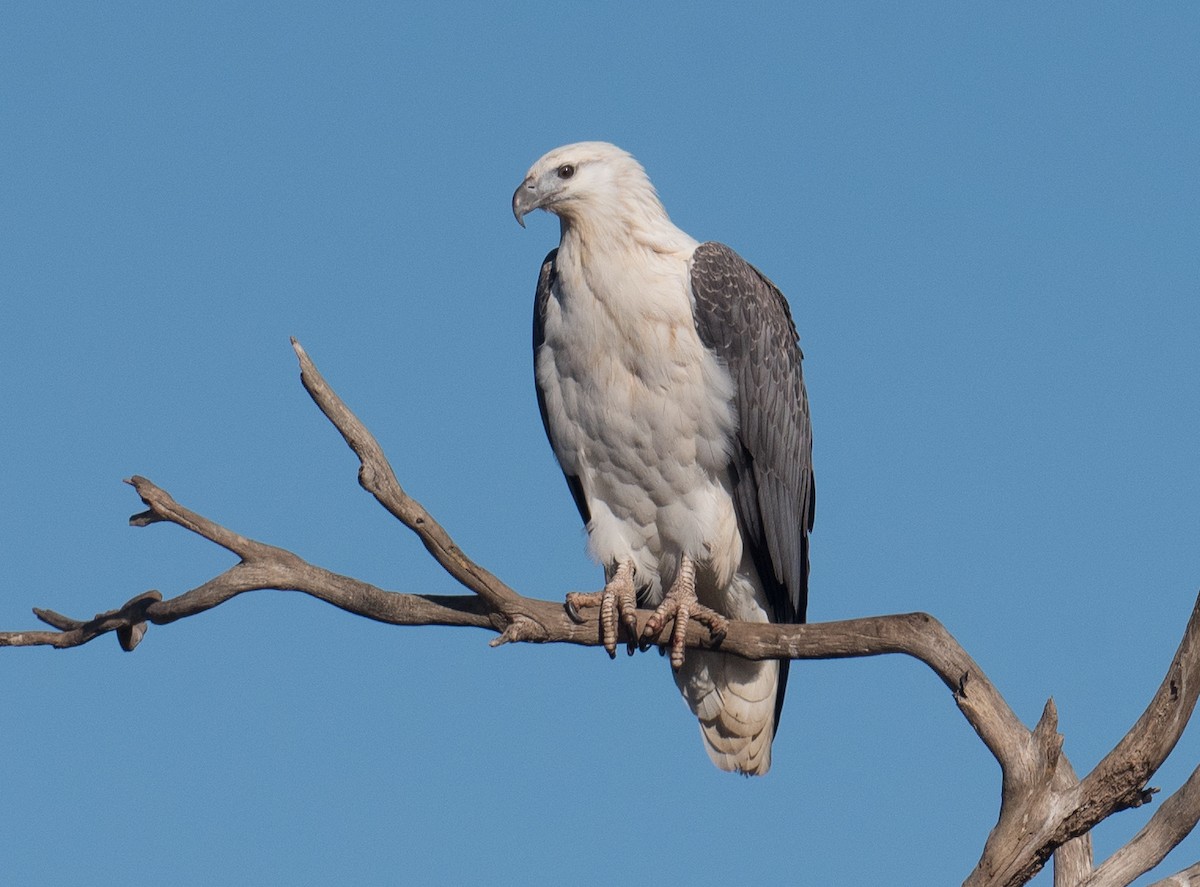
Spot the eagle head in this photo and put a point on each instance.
(580, 178)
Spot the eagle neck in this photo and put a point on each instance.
(595, 236)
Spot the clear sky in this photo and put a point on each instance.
(987, 220)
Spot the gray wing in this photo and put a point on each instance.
(544, 287)
(744, 318)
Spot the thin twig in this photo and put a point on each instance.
(377, 478)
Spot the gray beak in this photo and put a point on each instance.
(525, 199)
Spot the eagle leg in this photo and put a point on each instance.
(680, 603)
(617, 599)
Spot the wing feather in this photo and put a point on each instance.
(745, 319)
(541, 299)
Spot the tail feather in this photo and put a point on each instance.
(734, 700)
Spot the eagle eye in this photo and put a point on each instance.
(566, 171)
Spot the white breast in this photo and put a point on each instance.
(642, 413)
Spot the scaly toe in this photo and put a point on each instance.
(679, 634)
(668, 609)
(680, 604)
(617, 602)
(717, 625)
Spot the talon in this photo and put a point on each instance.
(581, 600)
(629, 617)
(654, 625)
(617, 602)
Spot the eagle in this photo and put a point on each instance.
(669, 380)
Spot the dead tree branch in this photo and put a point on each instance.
(1169, 825)
(1189, 877)
(1045, 808)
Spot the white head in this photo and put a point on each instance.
(587, 180)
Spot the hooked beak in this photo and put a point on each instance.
(525, 199)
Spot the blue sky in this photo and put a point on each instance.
(986, 220)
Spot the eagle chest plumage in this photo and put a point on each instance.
(640, 412)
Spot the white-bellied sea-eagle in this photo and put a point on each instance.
(668, 376)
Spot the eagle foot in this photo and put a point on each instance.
(681, 604)
(617, 600)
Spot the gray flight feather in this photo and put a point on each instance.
(745, 320)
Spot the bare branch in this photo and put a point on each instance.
(128, 620)
(1044, 805)
(1169, 825)
(1119, 780)
(1189, 877)
(1073, 861)
(266, 567)
(376, 476)
(1045, 808)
